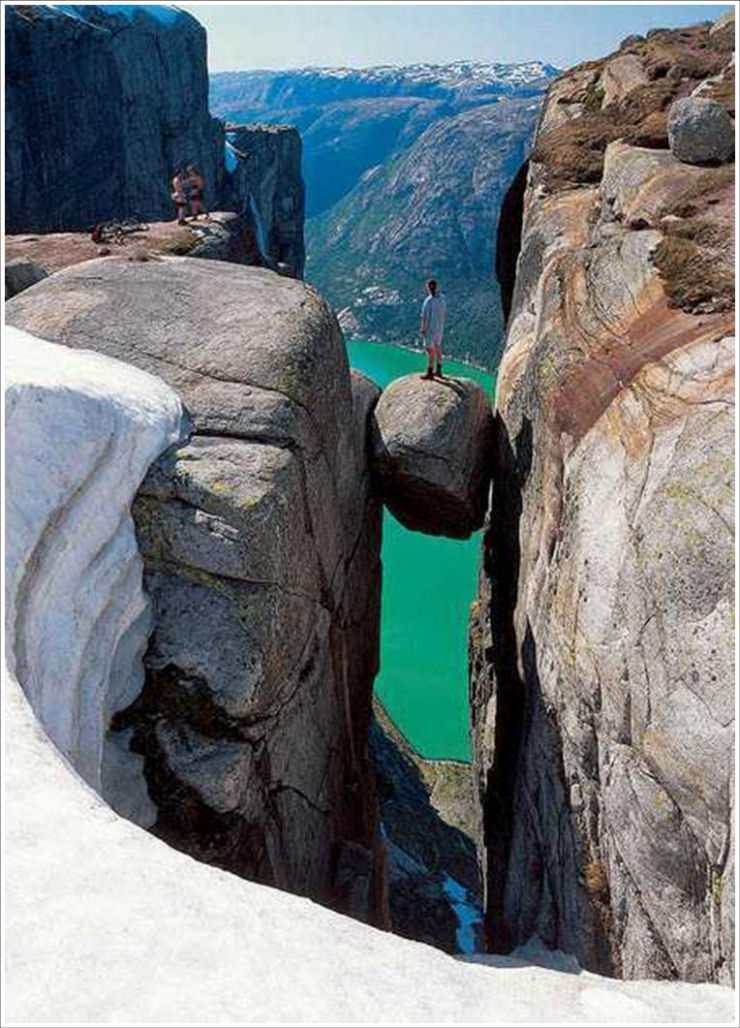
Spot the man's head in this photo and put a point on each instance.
(432, 286)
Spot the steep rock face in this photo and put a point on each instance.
(76, 616)
(102, 103)
(261, 545)
(265, 185)
(431, 443)
(601, 641)
(426, 808)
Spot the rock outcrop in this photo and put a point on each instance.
(77, 619)
(20, 274)
(426, 811)
(102, 103)
(261, 541)
(224, 236)
(81, 430)
(263, 165)
(700, 131)
(601, 643)
(431, 446)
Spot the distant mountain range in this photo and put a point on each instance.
(405, 170)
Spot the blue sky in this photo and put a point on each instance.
(285, 35)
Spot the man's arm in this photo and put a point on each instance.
(423, 326)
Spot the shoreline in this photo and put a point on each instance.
(389, 724)
(420, 350)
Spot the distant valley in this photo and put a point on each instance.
(405, 171)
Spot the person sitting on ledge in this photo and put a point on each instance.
(433, 312)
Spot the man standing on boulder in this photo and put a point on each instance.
(433, 312)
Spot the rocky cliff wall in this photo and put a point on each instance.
(260, 537)
(602, 684)
(81, 429)
(264, 184)
(103, 102)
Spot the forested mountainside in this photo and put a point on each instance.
(405, 170)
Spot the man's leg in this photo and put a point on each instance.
(438, 355)
(430, 362)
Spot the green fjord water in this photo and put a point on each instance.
(428, 585)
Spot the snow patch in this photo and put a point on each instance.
(81, 432)
(104, 922)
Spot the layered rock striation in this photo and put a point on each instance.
(260, 537)
(602, 682)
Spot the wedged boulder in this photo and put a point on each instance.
(700, 131)
(261, 539)
(431, 452)
(20, 274)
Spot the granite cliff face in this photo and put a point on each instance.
(601, 643)
(82, 429)
(263, 164)
(260, 537)
(103, 102)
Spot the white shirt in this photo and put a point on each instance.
(433, 312)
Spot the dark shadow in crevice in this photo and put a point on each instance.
(508, 238)
(501, 561)
(426, 855)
